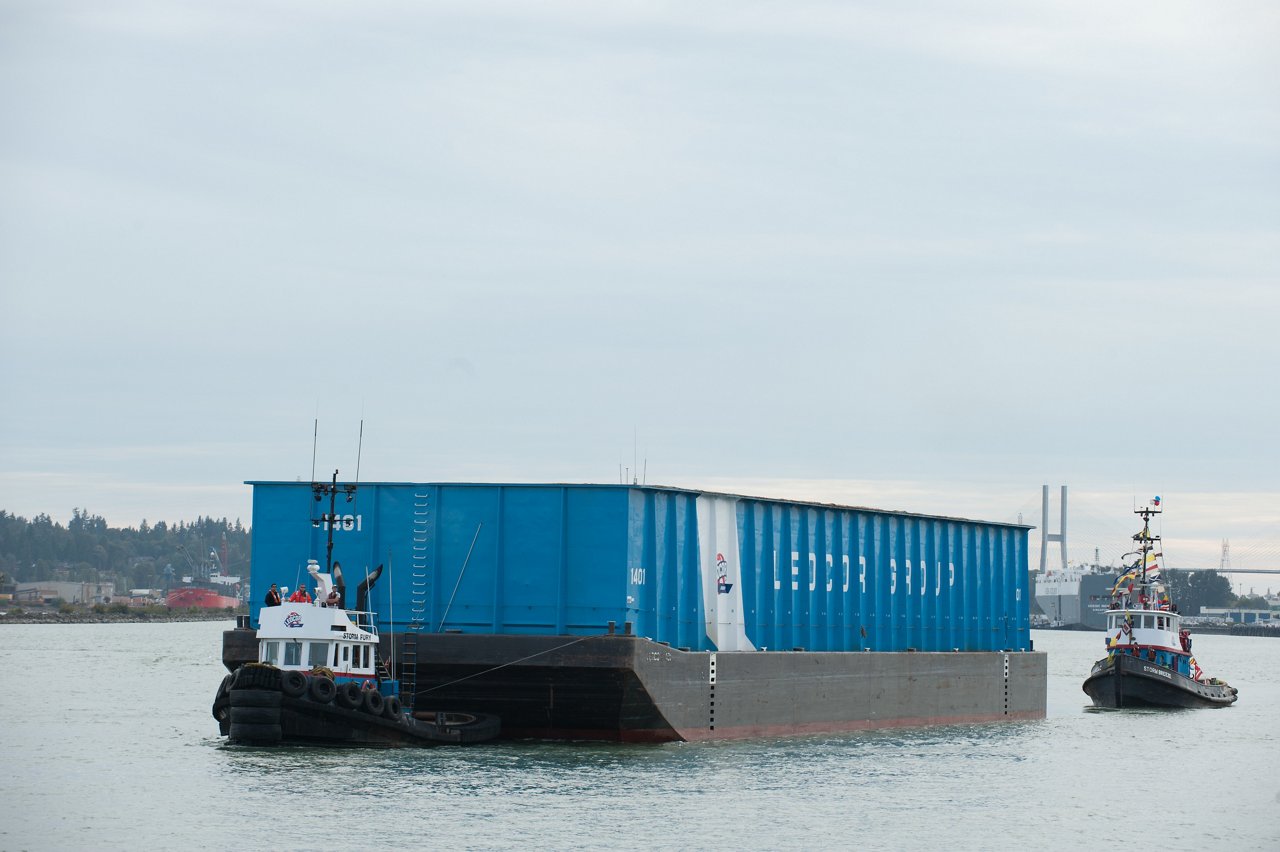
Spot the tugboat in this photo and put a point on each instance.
(1149, 661)
(318, 679)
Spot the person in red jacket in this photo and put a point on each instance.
(300, 595)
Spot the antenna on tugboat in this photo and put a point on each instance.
(315, 438)
(359, 449)
(332, 519)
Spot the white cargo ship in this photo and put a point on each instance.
(1076, 597)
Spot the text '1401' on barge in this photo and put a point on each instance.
(650, 614)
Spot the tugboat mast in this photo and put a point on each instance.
(1146, 541)
(320, 489)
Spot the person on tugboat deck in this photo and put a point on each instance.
(273, 596)
(334, 599)
(300, 595)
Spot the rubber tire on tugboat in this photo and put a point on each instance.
(222, 699)
(255, 716)
(322, 690)
(392, 708)
(293, 683)
(348, 697)
(252, 734)
(373, 703)
(256, 676)
(255, 698)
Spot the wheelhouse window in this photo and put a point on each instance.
(366, 657)
(271, 652)
(346, 653)
(292, 653)
(319, 654)
(335, 655)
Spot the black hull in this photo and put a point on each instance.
(1129, 681)
(252, 708)
(621, 688)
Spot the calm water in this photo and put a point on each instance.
(108, 742)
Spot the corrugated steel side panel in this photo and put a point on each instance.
(827, 579)
(552, 559)
(477, 558)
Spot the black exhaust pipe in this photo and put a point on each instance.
(366, 585)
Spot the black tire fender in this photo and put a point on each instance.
(293, 683)
(373, 702)
(255, 698)
(222, 699)
(348, 696)
(255, 716)
(322, 690)
(392, 708)
(246, 733)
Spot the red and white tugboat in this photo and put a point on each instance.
(1149, 661)
(318, 679)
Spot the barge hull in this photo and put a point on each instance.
(630, 689)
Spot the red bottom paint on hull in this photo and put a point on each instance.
(199, 599)
(838, 727)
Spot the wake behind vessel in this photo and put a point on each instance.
(645, 613)
(1149, 661)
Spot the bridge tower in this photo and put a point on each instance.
(1045, 536)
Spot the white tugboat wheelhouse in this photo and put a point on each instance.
(309, 636)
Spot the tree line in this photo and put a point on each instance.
(1194, 590)
(146, 557)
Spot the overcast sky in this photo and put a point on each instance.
(914, 255)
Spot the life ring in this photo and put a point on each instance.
(293, 683)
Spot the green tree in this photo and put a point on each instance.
(87, 549)
(1194, 590)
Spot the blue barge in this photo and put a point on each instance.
(646, 613)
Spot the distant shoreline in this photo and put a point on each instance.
(29, 617)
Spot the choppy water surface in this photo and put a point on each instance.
(108, 742)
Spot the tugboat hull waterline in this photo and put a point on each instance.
(1149, 661)
(1130, 681)
(262, 706)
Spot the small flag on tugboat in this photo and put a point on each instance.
(1155, 501)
